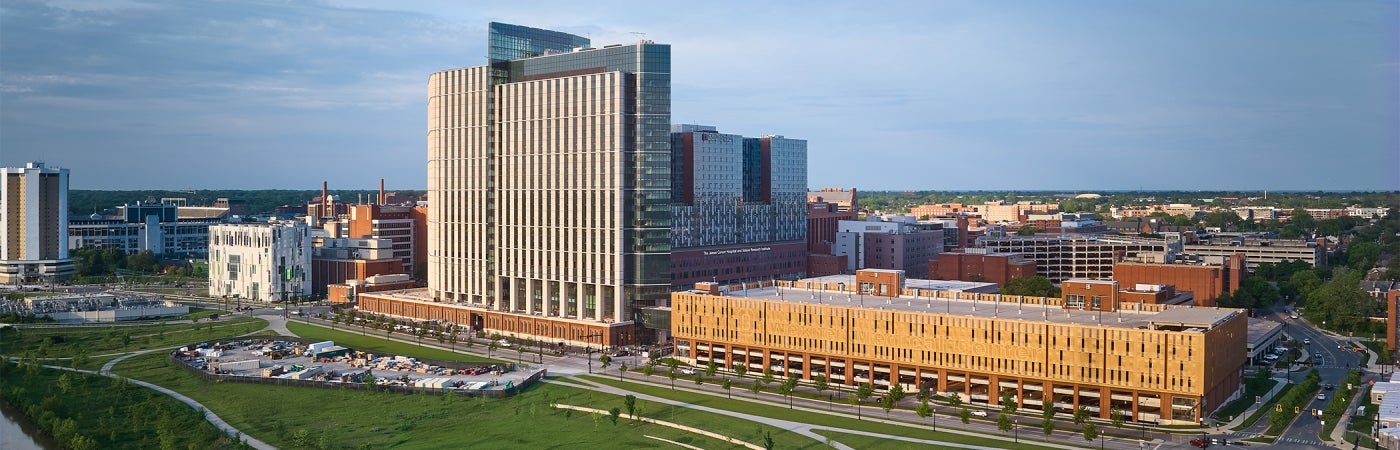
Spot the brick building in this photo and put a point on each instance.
(1157, 363)
(980, 264)
(1206, 281)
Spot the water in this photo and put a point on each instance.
(18, 434)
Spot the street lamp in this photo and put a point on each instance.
(1015, 430)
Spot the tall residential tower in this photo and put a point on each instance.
(34, 220)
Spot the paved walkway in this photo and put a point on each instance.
(821, 407)
(1239, 419)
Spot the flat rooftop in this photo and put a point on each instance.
(1172, 317)
(913, 283)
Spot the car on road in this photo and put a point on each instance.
(688, 370)
(1307, 341)
(1198, 442)
(1329, 386)
(1321, 396)
(979, 413)
(1295, 316)
(1317, 355)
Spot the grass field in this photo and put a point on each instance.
(1252, 387)
(292, 417)
(61, 342)
(378, 345)
(804, 416)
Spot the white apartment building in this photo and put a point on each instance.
(34, 223)
(260, 261)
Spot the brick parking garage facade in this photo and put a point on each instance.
(1158, 364)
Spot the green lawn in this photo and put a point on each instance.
(295, 417)
(380, 345)
(1265, 409)
(814, 418)
(93, 341)
(1252, 387)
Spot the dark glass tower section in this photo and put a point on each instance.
(510, 42)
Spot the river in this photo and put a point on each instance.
(18, 434)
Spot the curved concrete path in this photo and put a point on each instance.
(800, 428)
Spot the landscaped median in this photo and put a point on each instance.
(809, 417)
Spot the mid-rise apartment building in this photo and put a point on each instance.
(34, 220)
(267, 262)
(1155, 363)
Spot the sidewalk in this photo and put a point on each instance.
(1338, 436)
(1239, 419)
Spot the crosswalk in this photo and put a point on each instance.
(1302, 442)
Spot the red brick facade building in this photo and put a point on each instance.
(989, 267)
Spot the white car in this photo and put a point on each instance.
(1321, 396)
(688, 370)
(979, 413)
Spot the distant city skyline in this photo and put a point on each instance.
(1024, 96)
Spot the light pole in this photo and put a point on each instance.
(1015, 431)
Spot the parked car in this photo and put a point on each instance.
(688, 370)
(979, 413)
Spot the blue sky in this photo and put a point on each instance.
(921, 95)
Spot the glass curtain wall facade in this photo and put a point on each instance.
(549, 177)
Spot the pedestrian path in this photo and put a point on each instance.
(1239, 419)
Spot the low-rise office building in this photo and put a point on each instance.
(165, 229)
(1156, 363)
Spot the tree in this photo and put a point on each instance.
(754, 388)
(491, 347)
(699, 378)
(954, 399)
(1081, 415)
(613, 413)
(1091, 431)
(741, 368)
(1027, 230)
(1008, 402)
(672, 375)
(621, 369)
(767, 440)
(1036, 286)
(820, 384)
(1004, 422)
(1047, 419)
(1116, 416)
(605, 360)
(648, 370)
(767, 376)
(727, 385)
(630, 402)
(894, 395)
(864, 392)
(788, 386)
(711, 368)
(923, 410)
(965, 415)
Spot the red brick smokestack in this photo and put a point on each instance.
(325, 199)
(381, 191)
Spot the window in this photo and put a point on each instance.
(1074, 301)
